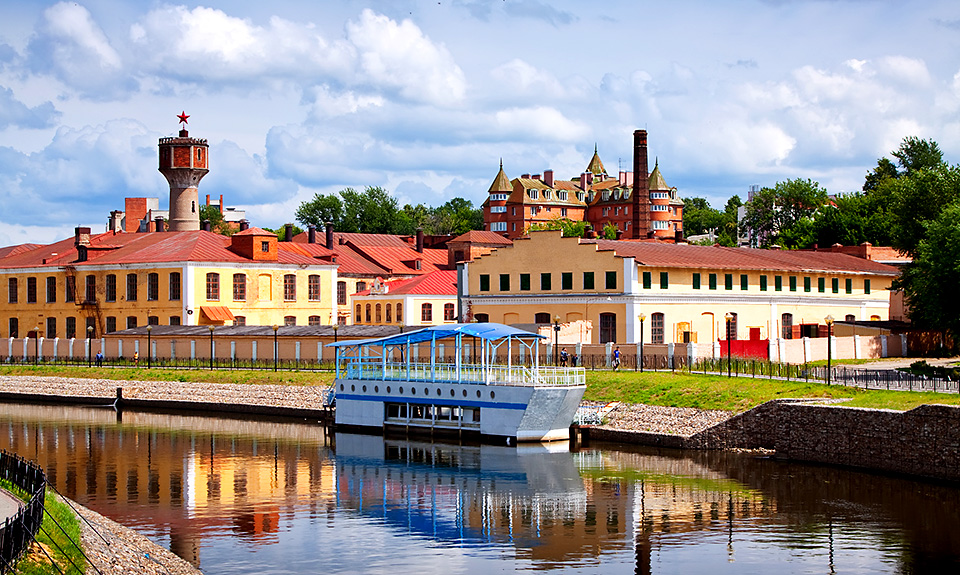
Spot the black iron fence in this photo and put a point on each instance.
(18, 532)
(178, 363)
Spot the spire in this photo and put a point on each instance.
(501, 184)
(595, 166)
(656, 179)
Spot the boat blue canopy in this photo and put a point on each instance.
(485, 331)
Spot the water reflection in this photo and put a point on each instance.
(241, 496)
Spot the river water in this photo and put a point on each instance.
(236, 496)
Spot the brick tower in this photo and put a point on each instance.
(183, 162)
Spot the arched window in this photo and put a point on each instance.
(656, 327)
(313, 287)
(874, 318)
(389, 316)
(426, 312)
(732, 327)
(357, 318)
(786, 321)
(289, 320)
(239, 287)
(850, 317)
(213, 286)
(379, 315)
(367, 316)
(313, 320)
(541, 317)
(448, 312)
(399, 313)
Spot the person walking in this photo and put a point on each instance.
(563, 357)
(616, 358)
(99, 359)
(136, 359)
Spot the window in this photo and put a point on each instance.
(732, 328)
(399, 313)
(32, 289)
(587, 280)
(265, 247)
(153, 320)
(504, 282)
(728, 281)
(786, 322)
(174, 286)
(356, 318)
(239, 287)
(132, 287)
(482, 318)
(806, 284)
(289, 320)
(12, 295)
(696, 281)
(821, 285)
(213, 286)
(866, 286)
(608, 327)
(848, 285)
(368, 313)
(566, 280)
(426, 312)
(313, 320)
(131, 321)
(14, 327)
(763, 283)
(664, 280)
(153, 287)
(647, 280)
(313, 287)
(498, 226)
(656, 328)
(448, 312)
(111, 324)
(341, 293)
(778, 283)
(389, 316)
(546, 282)
(850, 317)
(524, 282)
(51, 328)
(378, 313)
(237, 320)
(542, 317)
(361, 286)
(70, 327)
(498, 209)
(874, 318)
(52, 289)
(289, 287)
(110, 288)
(70, 289)
(835, 284)
(793, 283)
(484, 282)
(713, 281)
(91, 291)
(744, 282)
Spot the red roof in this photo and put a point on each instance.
(483, 237)
(18, 249)
(439, 282)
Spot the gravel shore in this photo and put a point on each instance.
(667, 420)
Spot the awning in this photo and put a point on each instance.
(217, 312)
(487, 331)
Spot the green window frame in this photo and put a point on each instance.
(728, 281)
(763, 283)
(744, 282)
(713, 281)
(566, 280)
(777, 283)
(484, 282)
(821, 285)
(848, 285)
(524, 282)
(588, 280)
(664, 280)
(504, 282)
(835, 284)
(696, 281)
(546, 282)
(793, 283)
(866, 286)
(806, 283)
(647, 280)
(611, 280)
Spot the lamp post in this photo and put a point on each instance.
(829, 320)
(556, 340)
(729, 318)
(89, 344)
(149, 347)
(641, 317)
(276, 348)
(336, 326)
(211, 347)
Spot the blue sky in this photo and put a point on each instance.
(424, 97)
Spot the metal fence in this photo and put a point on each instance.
(18, 532)
(166, 363)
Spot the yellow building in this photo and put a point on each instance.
(430, 299)
(100, 283)
(683, 292)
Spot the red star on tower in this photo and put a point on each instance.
(183, 117)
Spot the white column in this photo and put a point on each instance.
(233, 350)
(856, 347)
(806, 349)
(296, 347)
(56, 344)
(193, 349)
(253, 350)
(903, 345)
(883, 346)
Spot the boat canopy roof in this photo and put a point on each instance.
(486, 331)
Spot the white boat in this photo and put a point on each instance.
(444, 380)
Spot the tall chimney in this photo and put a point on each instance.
(420, 240)
(329, 234)
(312, 234)
(244, 224)
(206, 225)
(641, 193)
(81, 237)
(158, 224)
(288, 232)
(548, 177)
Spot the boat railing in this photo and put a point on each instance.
(377, 370)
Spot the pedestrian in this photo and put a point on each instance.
(616, 358)
(136, 359)
(563, 357)
(99, 359)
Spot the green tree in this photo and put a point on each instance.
(915, 154)
(320, 210)
(774, 211)
(570, 228)
(213, 215)
(918, 198)
(885, 170)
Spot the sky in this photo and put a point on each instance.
(425, 98)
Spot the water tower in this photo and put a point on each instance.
(183, 162)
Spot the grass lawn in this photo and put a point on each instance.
(653, 388)
(58, 543)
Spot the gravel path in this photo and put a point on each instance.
(669, 420)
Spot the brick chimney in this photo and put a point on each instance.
(641, 185)
(288, 232)
(420, 240)
(312, 234)
(81, 237)
(548, 177)
(158, 224)
(329, 234)
(244, 224)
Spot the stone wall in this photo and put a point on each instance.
(924, 441)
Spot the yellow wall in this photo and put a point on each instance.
(412, 309)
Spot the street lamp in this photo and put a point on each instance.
(336, 326)
(149, 347)
(89, 345)
(211, 347)
(641, 317)
(276, 348)
(729, 318)
(556, 340)
(829, 320)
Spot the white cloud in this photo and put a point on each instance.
(540, 122)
